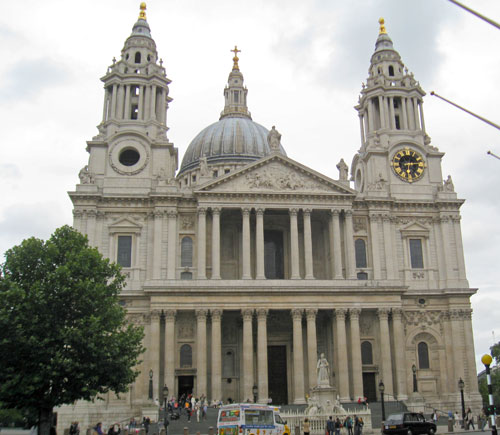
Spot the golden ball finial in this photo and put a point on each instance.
(142, 14)
(382, 26)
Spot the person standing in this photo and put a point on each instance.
(348, 425)
(306, 427)
(457, 419)
(338, 425)
(330, 426)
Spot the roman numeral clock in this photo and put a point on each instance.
(408, 165)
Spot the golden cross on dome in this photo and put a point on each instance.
(235, 58)
(382, 27)
(142, 14)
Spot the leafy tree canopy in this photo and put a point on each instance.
(63, 334)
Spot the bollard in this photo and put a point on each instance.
(210, 430)
(297, 430)
(186, 431)
(450, 425)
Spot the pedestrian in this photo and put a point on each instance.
(338, 426)
(205, 408)
(147, 422)
(469, 420)
(457, 420)
(114, 429)
(348, 425)
(98, 428)
(306, 427)
(74, 429)
(330, 426)
(358, 425)
(484, 419)
(197, 409)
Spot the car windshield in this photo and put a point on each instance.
(395, 417)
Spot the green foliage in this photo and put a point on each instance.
(495, 378)
(495, 353)
(63, 335)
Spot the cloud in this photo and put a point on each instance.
(27, 78)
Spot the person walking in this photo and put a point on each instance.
(483, 420)
(348, 425)
(306, 427)
(330, 426)
(456, 418)
(469, 420)
(338, 426)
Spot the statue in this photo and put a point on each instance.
(448, 185)
(274, 139)
(323, 371)
(86, 177)
(343, 170)
(204, 167)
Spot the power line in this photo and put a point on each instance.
(477, 14)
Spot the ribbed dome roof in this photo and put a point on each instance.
(232, 139)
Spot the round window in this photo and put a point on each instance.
(129, 157)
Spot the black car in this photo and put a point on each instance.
(408, 423)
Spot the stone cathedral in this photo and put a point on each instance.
(244, 265)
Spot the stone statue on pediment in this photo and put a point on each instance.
(343, 170)
(274, 139)
(448, 185)
(86, 177)
(204, 167)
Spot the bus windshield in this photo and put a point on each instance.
(258, 417)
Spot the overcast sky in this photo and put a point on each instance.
(303, 63)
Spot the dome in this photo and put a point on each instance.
(231, 140)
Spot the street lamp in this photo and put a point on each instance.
(381, 388)
(165, 398)
(461, 385)
(254, 391)
(486, 360)
(150, 392)
(414, 370)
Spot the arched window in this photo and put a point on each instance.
(423, 355)
(366, 353)
(391, 70)
(187, 252)
(360, 251)
(137, 57)
(186, 355)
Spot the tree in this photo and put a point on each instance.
(495, 378)
(63, 334)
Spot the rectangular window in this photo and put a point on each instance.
(124, 257)
(416, 254)
(236, 96)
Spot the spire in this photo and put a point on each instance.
(235, 94)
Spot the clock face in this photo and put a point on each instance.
(408, 165)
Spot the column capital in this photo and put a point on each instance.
(260, 211)
(348, 213)
(293, 211)
(154, 315)
(216, 314)
(307, 211)
(383, 313)
(172, 214)
(397, 313)
(202, 211)
(311, 314)
(215, 211)
(170, 315)
(158, 214)
(296, 313)
(201, 315)
(354, 313)
(262, 313)
(457, 314)
(335, 212)
(340, 313)
(247, 314)
(245, 211)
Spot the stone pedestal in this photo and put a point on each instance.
(416, 402)
(323, 396)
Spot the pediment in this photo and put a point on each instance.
(276, 174)
(414, 228)
(125, 225)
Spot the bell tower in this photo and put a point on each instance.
(132, 150)
(396, 157)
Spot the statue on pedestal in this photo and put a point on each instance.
(323, 371)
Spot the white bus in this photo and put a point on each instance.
(250, 419)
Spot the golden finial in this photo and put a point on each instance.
(142, 14)
(236, 58)
(382, 27)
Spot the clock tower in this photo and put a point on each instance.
(396, 157)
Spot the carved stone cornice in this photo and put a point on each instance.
(311, 314)
(296, 314)
(247, 314)
(262, 313)
(457, 314)
(340, 313)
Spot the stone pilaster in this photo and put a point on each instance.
(312, 346)
(215, 243)
(154, 351)
(471, 380)
(308, 256)
(374, 230)
(349, 246)
(247, 393)
(298, 357)
(170, 349)
(259, 235)
(172, 244)
(341, 340)
(294, 244)
(157, 242)
(357, 371)
(91, 224)
(201, 352)
(202, 244)
(458, 345)
(389, 253)
(399, 343)
(385, 350)
(337, 246)
(216, 355)
(246, 243)
(262, 355)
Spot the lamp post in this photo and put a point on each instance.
(165, 398)
(486, 360)
(461, 385)
(381, 388)
(414, 370)
(254, 391)
(150, 392)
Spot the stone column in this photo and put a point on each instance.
(201, 352)
(399, 343)
(262, 355)
(312, 346)
(371, 124)
(459, 246)
(247, 392)
(152, 109)
(385, 350)
(147, 102)
(411, 117)
(415, 113)
(389, 255)
(172, 244)
(405, 114)
(216, 355)
(337, 246)
(421, 108)
(142, 381)
(157, 239)
(343, 370)
(202, 244)
(382, 111)
(357, 368)
(77, 220)
(246, 244)
(361, 129)
(140, 108)
(113, 101)
(374, 229)
(259, 235)
(126, 108)
(298, 358)
(154, 351)
(170, 350)
(215, 243)
(471, 380)
(349, 246)
(308, 244)
(294, 244)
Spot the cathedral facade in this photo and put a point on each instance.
(244, 265)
